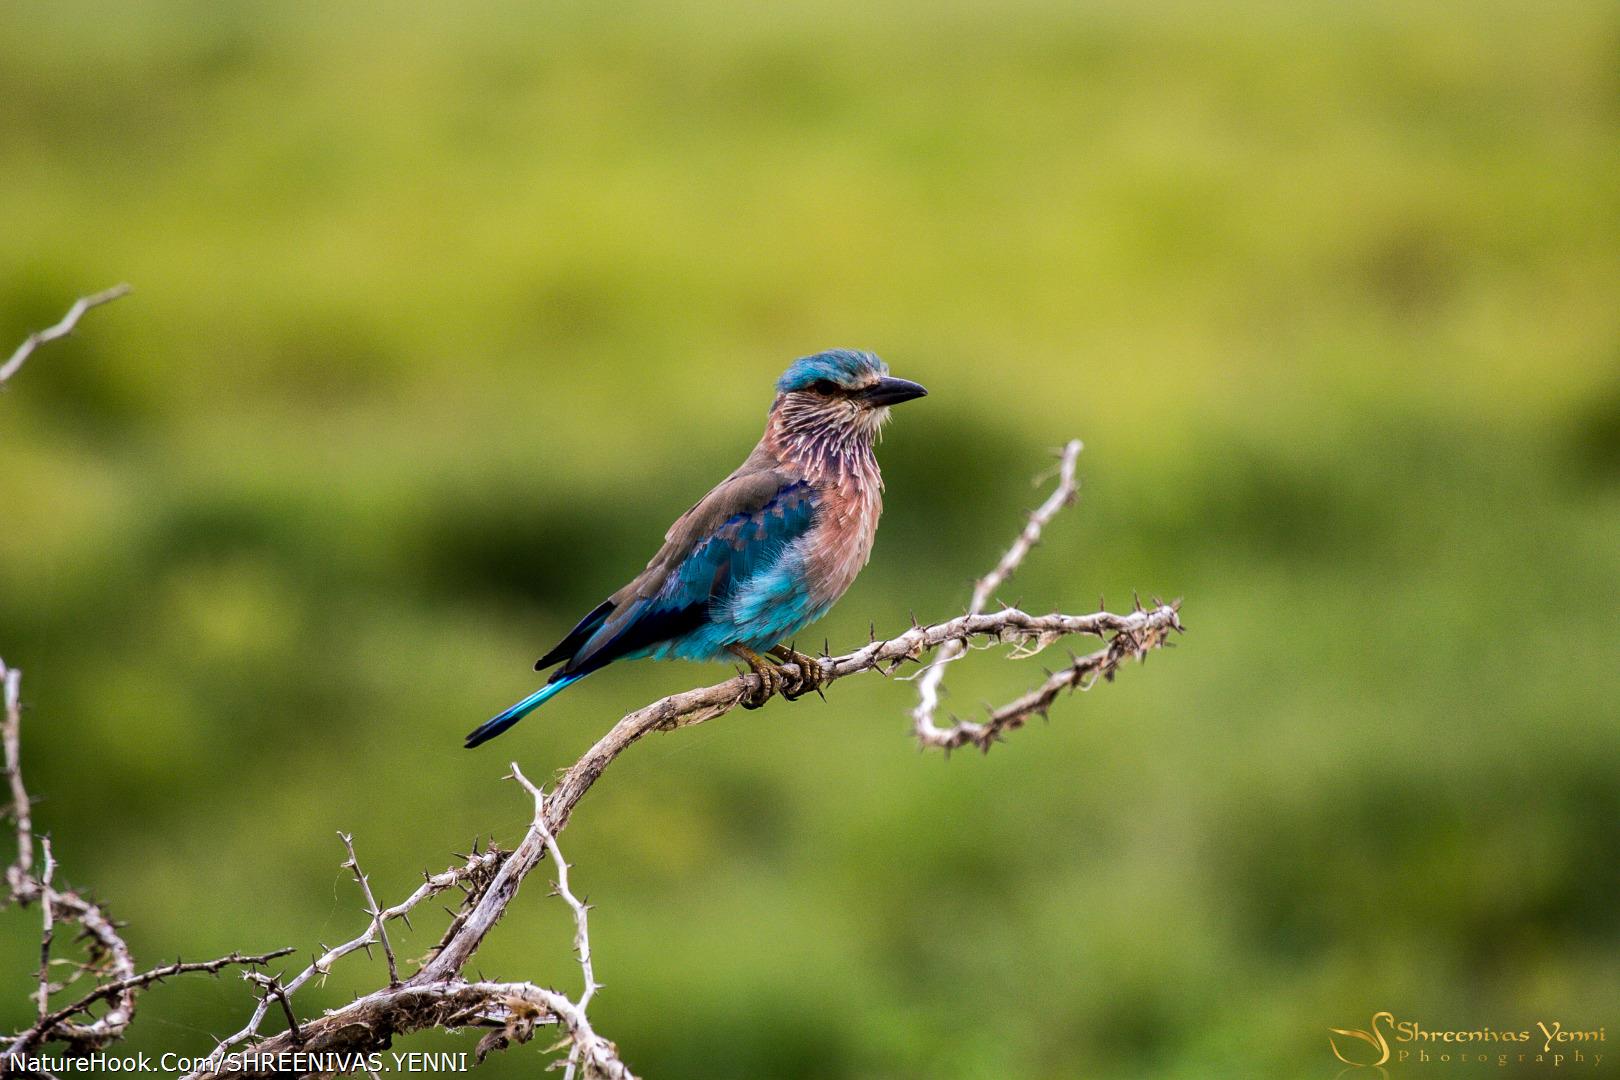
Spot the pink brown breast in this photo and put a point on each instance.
(846, 527)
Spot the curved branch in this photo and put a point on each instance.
(1134, 634)
(109, 954)
(119, 987)
(513, 1010)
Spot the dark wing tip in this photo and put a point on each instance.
(568, 646)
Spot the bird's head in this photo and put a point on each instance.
(841, 389)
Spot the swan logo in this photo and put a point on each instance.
(1373, 1054)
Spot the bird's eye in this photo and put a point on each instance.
(824, 386)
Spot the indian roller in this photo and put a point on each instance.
(764, 554)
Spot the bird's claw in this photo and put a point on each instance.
(773, 680)
(810, 675)
(770, 680)
(770, 684)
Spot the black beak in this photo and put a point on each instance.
(888, 391)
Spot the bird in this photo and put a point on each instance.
(764, 554)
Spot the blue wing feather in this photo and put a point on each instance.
(741, 547)
(691, 611)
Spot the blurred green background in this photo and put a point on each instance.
(443, 313)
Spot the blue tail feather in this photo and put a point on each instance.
(495, 725)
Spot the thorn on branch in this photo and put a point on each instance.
(373, 910)
(1133, 634)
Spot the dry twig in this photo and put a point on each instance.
(47, 906)
(581, 1048)
(372, 909)
(21, 806)
(62, 329)
(472, 875)
(108, 957)
(511, 1010)
(984, 590)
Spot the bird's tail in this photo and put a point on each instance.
(497, 724)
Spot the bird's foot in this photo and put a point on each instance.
(770, 680)
(810, 675)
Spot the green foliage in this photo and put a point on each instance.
(443, 313)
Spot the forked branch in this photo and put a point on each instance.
(1081, 673)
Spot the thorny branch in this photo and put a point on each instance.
(511, 1010)
(928, 684)
(582, 934)
(471, 877)
(109, 990)
(1141, 630)
(371, 908)
(1081, 673)
(108, 957)
(438, 994)
(47, 906)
